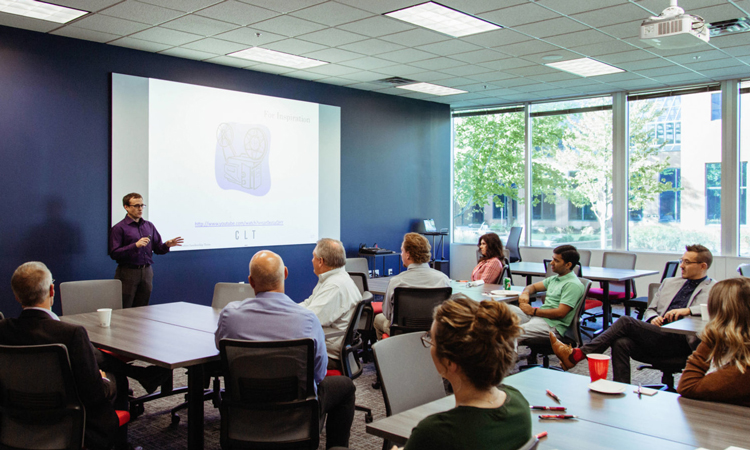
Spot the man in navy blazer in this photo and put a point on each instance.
(629, 337)
(33, 288)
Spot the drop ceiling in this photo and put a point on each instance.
(363, 46)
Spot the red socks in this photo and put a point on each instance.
(577, 355)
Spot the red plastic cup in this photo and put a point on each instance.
(598, 366)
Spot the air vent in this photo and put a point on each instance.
(395, 81)
(725, 27)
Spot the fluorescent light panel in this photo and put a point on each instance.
(442, 19)
(585, 67)
(433, 89)
(277, 58)
(40, 10)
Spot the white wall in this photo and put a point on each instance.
(463, 260)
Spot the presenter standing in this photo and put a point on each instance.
(131, 243)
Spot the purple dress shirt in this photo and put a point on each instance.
(126, 233)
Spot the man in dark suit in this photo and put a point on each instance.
(33, 288)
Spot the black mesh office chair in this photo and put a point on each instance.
(270, 400)
(412, 308)
(641, 303)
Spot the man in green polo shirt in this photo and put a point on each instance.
(564, 291)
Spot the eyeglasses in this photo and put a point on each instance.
(139, 206)
(427, 340)
(686, 262)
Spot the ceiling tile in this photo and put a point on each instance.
(86, 5)
(368, 63)
(400, 70)
(569, 7)
(718, 13)
(466, 70)
(709, 54)
(331, 14)
(294, 46)
(508, 63)
(288, 26)
(365, 86)
(624, 30)
(609, 16)
(528, 48)
(332, 70)
(407, 55)
(142, 12)
(560, 54)
(418, 36)
(302, 75)
(743, 50)
(270, 68)
(111, 25)
(700, 66)
(199, 25)
(635, 66)
(475, 7)
(554, 77)
(377, 26)
(576, 39)
(379, 6)
(519, 15)
(332, 37)
(250, 36)
(552, 27)
(643, 83)
(480, 56)
(27, 23)
(188, 54)
(731, 40)
(237, 13)
(728, 72)
(682, 79)
(657, 6)
(437, 63)
(493, 76)
(433, 76)
(230, 61)
(449, 47)
(88, 35)
(285, 6)
(333, 55)
(662, 71)
(606, 47)
(629, 56)
(183, 5)
(216, 46)
(166, 36)
(535, 70)
(139, 44)
(496, 38)
(372, 47)
(362, 77)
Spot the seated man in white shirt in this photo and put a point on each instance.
(416, 255)
(335, 296)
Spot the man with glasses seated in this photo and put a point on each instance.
(132, 241)
(676, 298)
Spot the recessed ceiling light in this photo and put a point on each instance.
(585, 67)
(40, 10)
(277, 58)
(442, 19)
(552, 57)
(433, 89)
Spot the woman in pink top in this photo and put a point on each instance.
(490, 265)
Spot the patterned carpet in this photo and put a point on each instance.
(153, 430)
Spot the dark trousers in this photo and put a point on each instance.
(632, 338)
(136, 285)
(336, 397)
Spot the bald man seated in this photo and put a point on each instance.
(272, 316)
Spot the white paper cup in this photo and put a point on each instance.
(105, 316)
(704, 313)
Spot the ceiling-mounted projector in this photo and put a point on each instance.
(674, 29)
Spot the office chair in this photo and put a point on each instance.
(226, 293)
(357, 265)
(353, 345)
(514, 239)
(585, 257)
(615, 260)
(541, 346)
(270, 399)
(78, 297)
(641, 303)
(39, 403)
(412, 308)
(744, 270)
(366, 322)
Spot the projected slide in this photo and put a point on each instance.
(224, 168)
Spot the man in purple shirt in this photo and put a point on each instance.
(131, 243)
(271, 316)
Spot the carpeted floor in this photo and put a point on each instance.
(153, 431)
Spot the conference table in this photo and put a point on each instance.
(689, 326)
(605, 421)
(478, 293)
(604, 275)
(169, 335)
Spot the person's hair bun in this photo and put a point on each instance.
(495, 320)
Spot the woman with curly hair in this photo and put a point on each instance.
(472, 346)
(490, 264)
(719, 370)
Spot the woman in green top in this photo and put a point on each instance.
(472, 346)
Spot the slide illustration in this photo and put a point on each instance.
(242, 157)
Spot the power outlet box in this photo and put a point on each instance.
(377, 273)
(390, 272)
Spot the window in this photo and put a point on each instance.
(713, 193)
(572, 173)
(716, 106)
(674, 176)
(488, 174)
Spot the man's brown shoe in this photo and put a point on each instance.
(562, 351)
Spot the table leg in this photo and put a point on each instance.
(528, 280)
(606, 306)
(195, 407)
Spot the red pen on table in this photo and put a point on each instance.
(557, 416)
(543, 434)
(557, 399)
(549, 408)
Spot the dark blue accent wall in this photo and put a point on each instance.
(55, 153)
